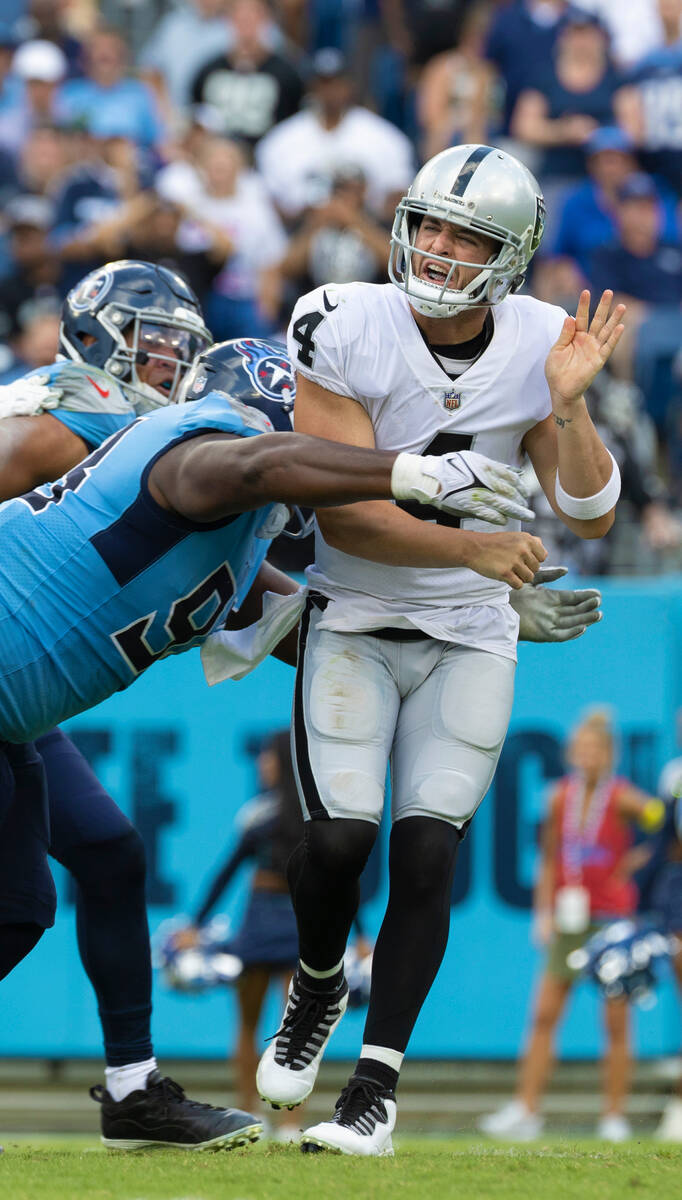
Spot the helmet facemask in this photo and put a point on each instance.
(503, 272)
(139, 336)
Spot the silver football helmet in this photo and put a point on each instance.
(482, 189)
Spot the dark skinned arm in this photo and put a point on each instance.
(34, 450)
(213, 476)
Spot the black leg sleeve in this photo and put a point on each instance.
(414, 932)
(324, 873)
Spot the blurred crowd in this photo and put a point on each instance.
(260, 147)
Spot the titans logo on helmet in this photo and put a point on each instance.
(270, 373)
(90, 290)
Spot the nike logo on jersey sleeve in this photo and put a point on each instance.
(104, 392)
(329, 307)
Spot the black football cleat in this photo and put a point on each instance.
(161, 1115)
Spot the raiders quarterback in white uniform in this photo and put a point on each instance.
(408, 646)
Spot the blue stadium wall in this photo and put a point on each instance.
(178, 757)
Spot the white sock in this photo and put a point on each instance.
(121, 1081)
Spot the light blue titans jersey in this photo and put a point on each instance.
(93, 405)
(97, 581)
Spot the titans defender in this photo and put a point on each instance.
(129, 333)
(562, 616)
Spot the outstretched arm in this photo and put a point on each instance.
(213, 476)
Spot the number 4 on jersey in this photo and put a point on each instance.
(303, 331)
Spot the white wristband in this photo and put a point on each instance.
(409, 480)
(586, 508)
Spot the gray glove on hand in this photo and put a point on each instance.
(463, 483)
(551, 615)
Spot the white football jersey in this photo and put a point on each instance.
(361, 340)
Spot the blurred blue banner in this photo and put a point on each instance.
(178, 758)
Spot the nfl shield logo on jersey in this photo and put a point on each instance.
(452, 399)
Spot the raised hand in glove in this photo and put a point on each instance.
(551, 614)
(463, 483)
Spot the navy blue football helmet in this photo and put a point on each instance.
(249, 371)
(127, 313)
(257, 374)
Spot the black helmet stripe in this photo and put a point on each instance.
(466, 171)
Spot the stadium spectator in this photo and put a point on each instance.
(647, 272)
(41, 161)
(35, 344)
(153, 229)
(521, 33)
(250, 86)
(34, 275)
(222, 192)
(183, 41)
(662, 896)
(87, 192)
(10, 88)
(649, 104)
(648, 533)
(41, 67)
(635, 28)
(587, 219)
(588, 859)
(339, 241)
(107, 93)
(454, 92)
(567, 96)
(298, 158)
(51, 20)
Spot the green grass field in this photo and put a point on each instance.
(421, 1170)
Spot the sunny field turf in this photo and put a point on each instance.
(421, 1170)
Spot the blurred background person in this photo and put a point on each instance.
(645, 271)
(648, 105)
(455, 94)
(270, 827)
(108, 92)
(522, 34)
(635, 28)
(298, 158)
(587, 218)
(566, 97)
(185, 38)
(223, 194)
(339, 241)
(34, 270)
(585, 880)
(661, 887)
(250, 86)
(40, 66)
(35, 342)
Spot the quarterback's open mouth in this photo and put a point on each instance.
(434, 273)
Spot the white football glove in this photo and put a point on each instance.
(551, 615)
(27, 398)
(463, 483)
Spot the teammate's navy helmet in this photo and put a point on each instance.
(250, 371)
(128, 312)
(257, 374)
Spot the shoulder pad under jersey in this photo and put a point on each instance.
(84, 388)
